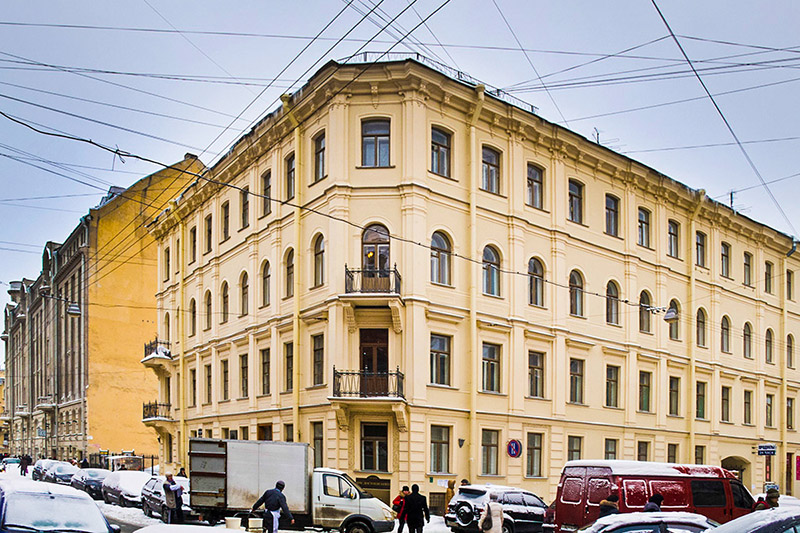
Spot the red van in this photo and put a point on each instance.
(711, 491)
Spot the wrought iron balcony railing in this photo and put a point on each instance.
(157, 347)
(372, 280)
(156, 410)
(365, 384)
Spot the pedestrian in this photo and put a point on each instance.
(491, 520)
(398, 506)
(173, 497)
(449, 493)
(84, 462)
(464, 481)
(23, 465)
(609, 506)
(416, 510)
(654, 503)
(274, 502)
(770, 501)
(182, 472)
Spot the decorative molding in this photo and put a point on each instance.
(342, 416)
(432, 314)
(397, 317)
(401, 416)
(349, 316)
(580, 344)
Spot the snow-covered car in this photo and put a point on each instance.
(124, 487)
(29, 506)
(523, 511)
(777, 520)
(663, 522)
(9, 461)
(783, 501)
(60, 473)
(90, 480)
(173, 528)
(153, 497)
(40, 468)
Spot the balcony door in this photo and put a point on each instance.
(374, 349)
(375, 259)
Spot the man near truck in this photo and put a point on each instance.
(274, 502)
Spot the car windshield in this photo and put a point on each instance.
(66, 469)
(45, 512)
(471, 494)
(656, 528)
(11, 460)
(97, 474)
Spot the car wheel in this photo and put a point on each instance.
(357, 527)
(507, 528)
(464, 514)
(146, 510)
(122, 502)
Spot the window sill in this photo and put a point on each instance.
(704, 267)
(540, 478)
(317, 387)
(441, 474)
(442, 176)
(542, 209)
(263, 306)
(700, 419)
(578, 316)
(646, 332)
(317, 181)
(288, 297)
(372, 471)
(614, 407)
(205, 404)
(243, 315)
(373, 167)
(314, 287)
(577, 223)
(537, 306)
(224, 401)
(748, 425)
(539, 398)
(615, 235)
(493, 295)
(492, 392)
(723, 276)
(442, 386)
(499, 195)
(578, 404)
(674, 416)
(614, 325)
(243, 228)
(675, 257)
(645, 246)
(226, 239)
(728, 422)
(443, 285)
(491, 475)
(770, 363)
(206, 329)
(283, 393)
(243, 398)
(264, 215)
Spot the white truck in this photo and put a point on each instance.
(228, 476)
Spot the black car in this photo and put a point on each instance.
(90, 480)
(153, 500)
(40, 467)
(60, 473)
(523, 511)
(775, 520)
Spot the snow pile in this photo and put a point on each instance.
(129, 515)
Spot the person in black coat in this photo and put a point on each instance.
(274, 503)
(415, 509)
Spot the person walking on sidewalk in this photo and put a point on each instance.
(416, 510)
(491, 520)
(274, 502)
(398, 506)
(173, 497)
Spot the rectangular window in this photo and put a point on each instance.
(225, 380)
(612, 386)
(265, 377)
(576, 201)
(491, 367)
(209, 394)
(489, 452)
(768, 277)
(700, 408)
(244, 376)
(440, 449)
(166, 264)
(264, 432)
(209, 233)
(288, 357)
(318, 443)
(374, 447)
(672, 453)
(244, 433)
(533, 460)
(244, 206)
(266, 193)
(318, 343)
(644, 391)
(574, 446)
(192, 244)
(770, 402)
(290, 177)
(612, 215)
(490, 173)
(535, 196)
(610, 449)
(440, 152)
(440, 359)
(673, 249)
(576, 380)
(726, 404)
(288, 432)
(789, 413)
(789, 285)
(674, 395)
(226, 221)
(747, 278)
(725, 259)
(319, 157)
(536, 374)
(375, 143)
(748, 407)
(700, 455)
(700, 248)
(192, 387)
(642, 450)
(644, 227)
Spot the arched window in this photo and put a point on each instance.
(192, 317)
(575, 293)
(440, 258)
(725, 335)
(266, 274)
(491, 271)
(224, 301)
(290, 273)
(375, 251)
(245, 294)
(612, 303)
(319, 261)
(535, 282)
(747, 340)
(790, 351)
(675, 325)
(768, 347)
(166, 327)
(644, 312)
(700, 325)
(208, 309)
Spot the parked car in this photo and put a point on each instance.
(173, 528)
(60, 473)
(40, 466)
(783, 500)
(29, 506)
(124, 487)
(10, 461)
(523, 511)
(90, 480)
(776, 520)
(707, 490)
(153, 498)
(650, 523)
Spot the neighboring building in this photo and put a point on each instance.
(403, 363)
(4, 418)
(75, 383)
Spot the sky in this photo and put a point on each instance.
(162, 78)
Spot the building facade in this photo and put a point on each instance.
(426, 281)
(75, 383)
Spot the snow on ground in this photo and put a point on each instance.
(129, 515)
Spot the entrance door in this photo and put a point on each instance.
(374, 362)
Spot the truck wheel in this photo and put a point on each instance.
(212, 520)
(357, 527)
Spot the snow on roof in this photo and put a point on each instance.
(647, 468)
(758, 518)
(16, 485)
(617, 520)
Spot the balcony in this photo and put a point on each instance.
(158, 416)
(45, 403)
(157, 355)
(372, 281)
(364, 384)
(22, 410)
(5, 416)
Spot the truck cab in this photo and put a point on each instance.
(339, 503)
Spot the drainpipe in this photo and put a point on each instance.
(182, 441)
(783, 465)
(473, 154)
(298, 264)
(701, 194)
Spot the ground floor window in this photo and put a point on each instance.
(574, 445)
(440, 449)
(489, 455)
(374, 447)
(611, 449)
(533, 466)
(316, 431)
